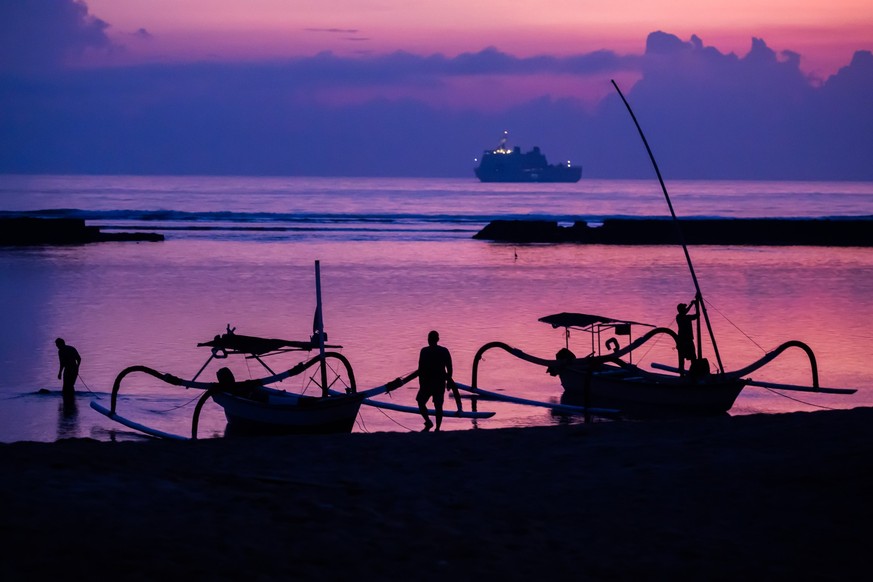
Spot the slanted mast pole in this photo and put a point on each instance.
(700, 303)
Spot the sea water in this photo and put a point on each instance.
(398, 259)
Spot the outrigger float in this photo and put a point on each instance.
(608, 378)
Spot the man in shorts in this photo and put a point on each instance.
(685, 332)
(434, 369)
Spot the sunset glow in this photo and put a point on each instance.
(274, 87)
(825, 34)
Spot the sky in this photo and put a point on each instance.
(773, 89)
(826, 33)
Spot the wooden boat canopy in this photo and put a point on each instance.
(585, 321)
(258, 346)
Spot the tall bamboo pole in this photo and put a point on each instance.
(700, 303)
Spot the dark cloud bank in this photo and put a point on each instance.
(706, 114)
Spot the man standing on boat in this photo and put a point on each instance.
(685, 333)
(69, 367)
(434, 369)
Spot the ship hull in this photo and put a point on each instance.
(565, 175)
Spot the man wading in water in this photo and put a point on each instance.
(69, 359)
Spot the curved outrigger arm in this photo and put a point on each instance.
(389, 386)
(474, 382)
(588, 361)
(392, 385)
(770, 356)
(640, 341)
(214, 386)
(773, 354)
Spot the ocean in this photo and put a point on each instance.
(398, 259)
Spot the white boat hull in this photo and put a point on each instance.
(290, 413)
(651, 395)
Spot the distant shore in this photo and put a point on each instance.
(839, 232)
(761, 497)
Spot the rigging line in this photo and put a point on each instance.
(82, 380)
(735, 326)
(184, 404)
(653, 344)
(338, 376)
(330, 384)
(386, 415)
(391, 418)
(795, 399)
(361, 424)
(305, 386)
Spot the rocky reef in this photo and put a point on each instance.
(19, 231)
(840, 232)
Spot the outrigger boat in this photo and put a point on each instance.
(254, 406)
(608, 378)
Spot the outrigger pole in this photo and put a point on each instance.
(700, 303)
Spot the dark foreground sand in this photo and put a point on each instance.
(760, 497)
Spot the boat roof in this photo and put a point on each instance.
(583, 320)
(257, 346)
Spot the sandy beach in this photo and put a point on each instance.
(762, 497)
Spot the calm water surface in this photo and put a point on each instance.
(397, 260)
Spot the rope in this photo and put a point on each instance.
(652, 345)
(82, 380)
(385, 414)
(777, 393)
(337, 376)
(392, 419)
(736, 327)
(361, 424)
(183, 405)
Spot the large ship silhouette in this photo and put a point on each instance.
(511, 165)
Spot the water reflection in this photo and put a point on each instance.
(380, 300)
(68, 418)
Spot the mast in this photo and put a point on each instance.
(319, 329)
(503, 140)
(701, 306)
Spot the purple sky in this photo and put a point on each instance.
(115, 90)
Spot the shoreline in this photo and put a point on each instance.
(762, 495)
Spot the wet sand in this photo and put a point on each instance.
(760, 497)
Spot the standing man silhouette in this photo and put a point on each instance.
(686, 333)
(434, 369)
(69, 359)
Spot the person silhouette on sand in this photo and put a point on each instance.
(685, 345)
(434, 370)
(70, 360)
